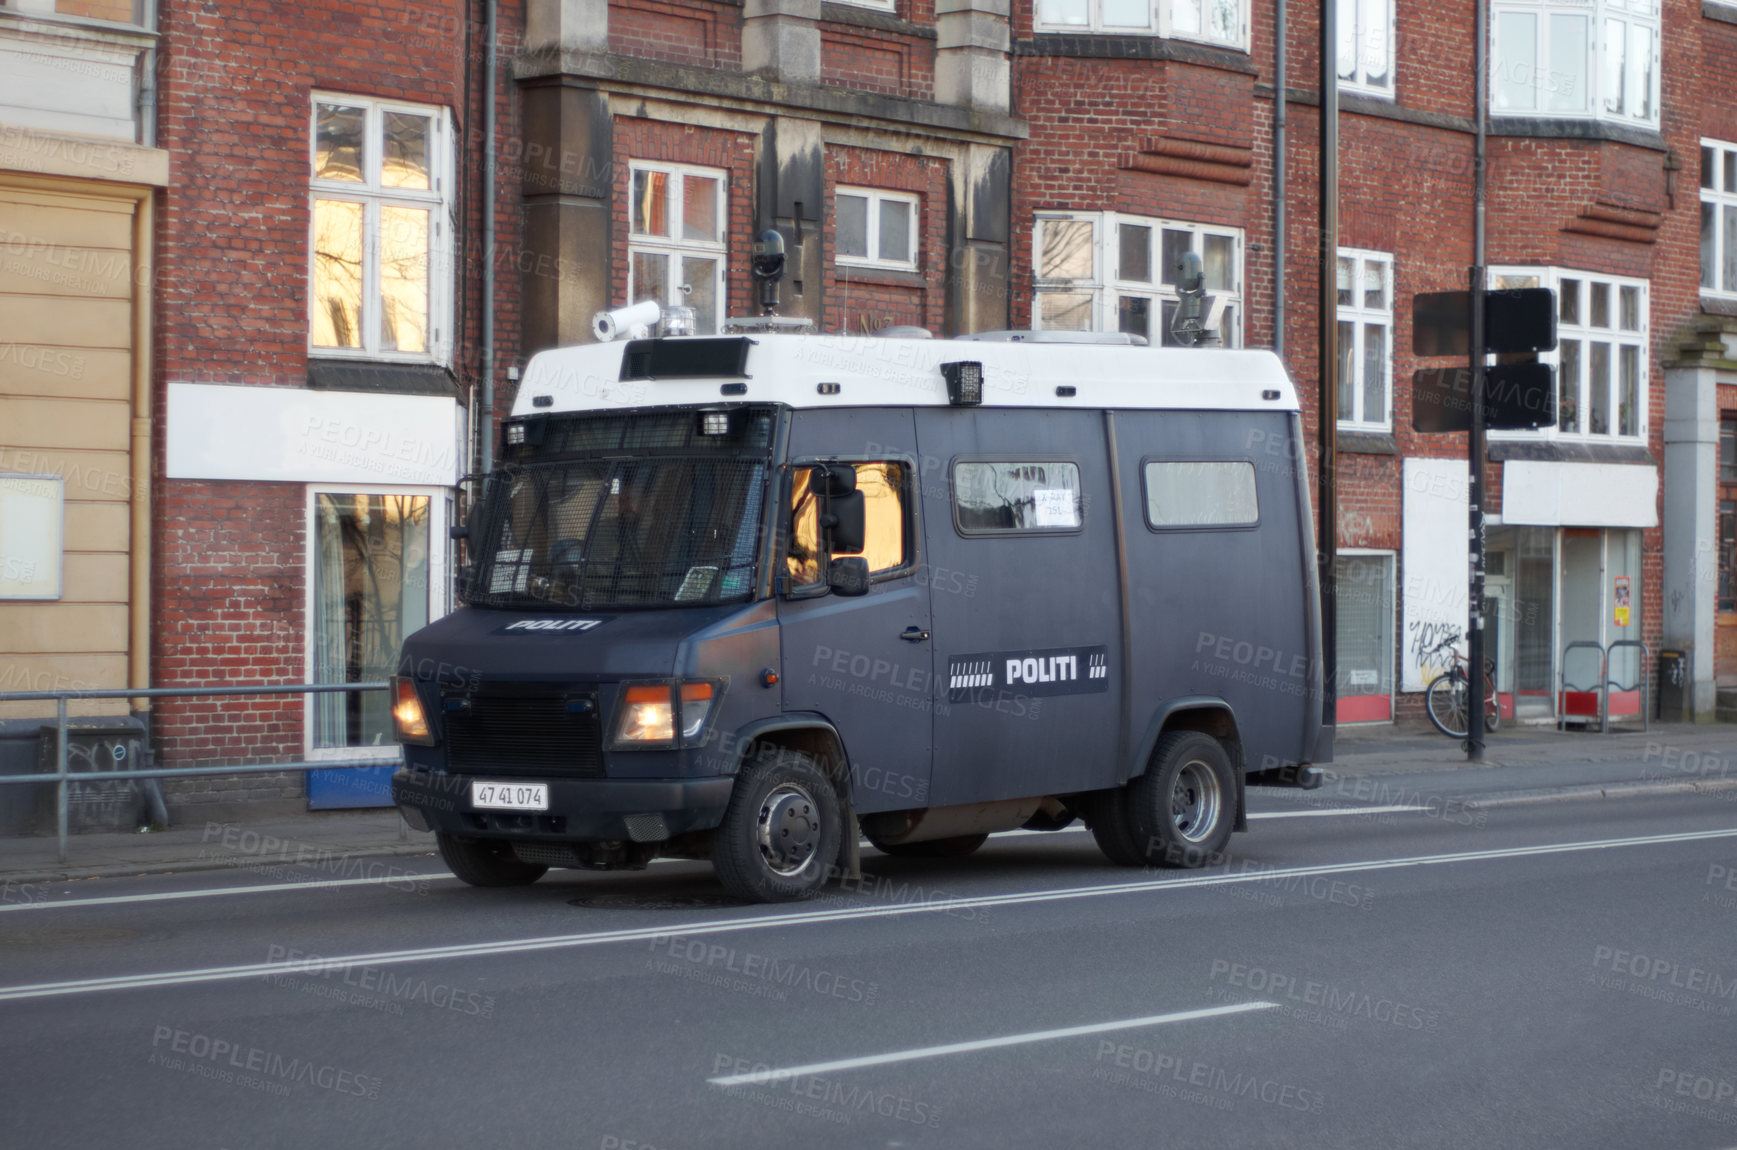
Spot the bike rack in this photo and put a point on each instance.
(1601, 689)
(1642, 683)
(1597, 690)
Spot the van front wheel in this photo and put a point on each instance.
(1184, 807)
(486, 862)
(779, 838)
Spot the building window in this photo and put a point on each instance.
(1597, 58)
(1365, 340)
(376, 575)
(381, 231)
(1103, 271)
(877, 5)
(875, 229)
(1213, 21)
(137, 12)
(1366, 46)
(1719, 219)
(675, 245)
(1601, 351)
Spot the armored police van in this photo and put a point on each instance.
(745, 597)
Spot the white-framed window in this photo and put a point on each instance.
(381, 229)
(1223, 22)
(141, 13)
(1601, 355)
(1366, 46)
(376, 572)
(1365, 310)
(1106, 271)
(877, 5)
(675, 242)
(1582, 58)
(873, 228)
(1719, 219)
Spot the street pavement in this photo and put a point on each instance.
(1531, 954)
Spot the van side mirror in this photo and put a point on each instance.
(845, 522)
(848, 576)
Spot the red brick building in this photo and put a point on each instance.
(960, 165)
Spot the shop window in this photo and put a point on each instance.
(1364, 614)
(1597, 59)
(1105, 271)
(372, 559)
(382, 226)
(675, 243)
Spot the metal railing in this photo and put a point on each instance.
(62, 776)
(1604, 683)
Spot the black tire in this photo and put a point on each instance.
(1448, 704)
(1106, 813)
(956, 847)
(486, 862)
(780, 836)
(1183, 809)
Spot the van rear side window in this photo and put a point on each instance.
(1039, 495)
(1200, 493)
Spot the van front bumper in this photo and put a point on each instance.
(580, 810)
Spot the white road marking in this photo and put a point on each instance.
(759, 1076)
(408, 878)
(413, 877)
(768, 921)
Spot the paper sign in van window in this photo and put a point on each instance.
(1198, 493)
(1017, 496)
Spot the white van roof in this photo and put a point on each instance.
(838, 370)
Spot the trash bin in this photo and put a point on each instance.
(1674, 688)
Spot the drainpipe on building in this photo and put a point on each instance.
(1279, 179)
(139, 551)
(486, 420)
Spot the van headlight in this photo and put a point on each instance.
(650, 713)
(409, 722)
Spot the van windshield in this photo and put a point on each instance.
(669, 525)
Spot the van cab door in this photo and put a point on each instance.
(1021, 566)
(864, 663)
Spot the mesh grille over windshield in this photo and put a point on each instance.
(673, 524)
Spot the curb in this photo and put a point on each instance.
(1595, 791)
(178, 866)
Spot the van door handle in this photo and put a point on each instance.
(913, 634)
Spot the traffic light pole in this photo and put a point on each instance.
(1475, 439)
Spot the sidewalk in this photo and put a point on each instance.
(1521, 764)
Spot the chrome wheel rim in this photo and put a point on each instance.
(1195, 801)
(788, 829)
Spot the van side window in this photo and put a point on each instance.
(1199, 493)
(885, 487)
(992, 498)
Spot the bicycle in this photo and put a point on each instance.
(1448, 703)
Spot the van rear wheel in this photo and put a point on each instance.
(780, 835)
(956, 847)
(486, 862)
(1184, 807)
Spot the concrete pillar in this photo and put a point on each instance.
(567, 185)
(979, 273)
(972, 43)
(781, 40)
(792, 193)
(566, 25)
(1691, 576)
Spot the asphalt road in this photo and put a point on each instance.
(1555, 974)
